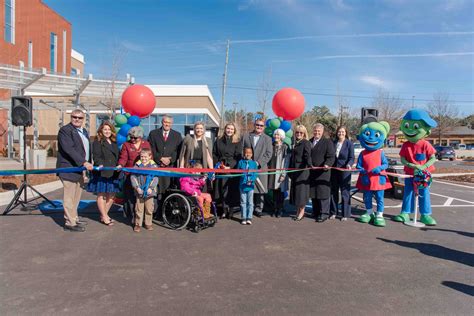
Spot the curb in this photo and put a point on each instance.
(6, 197)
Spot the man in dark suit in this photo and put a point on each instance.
(74, 150)
(322, 155)
(165, 145)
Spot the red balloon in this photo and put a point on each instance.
(138, 100)
(288, 103)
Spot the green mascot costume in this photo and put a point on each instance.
(418, 157)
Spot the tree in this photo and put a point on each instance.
(265, 91)
(390, 107)
(112, 100)
(467, 121)
(319, 114)
(444, 113)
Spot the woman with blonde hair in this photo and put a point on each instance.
(196, 148)
(105, 184)
(227, 152)
(300, 158)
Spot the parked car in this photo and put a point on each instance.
(461, 146)
(357, 149)
(445, 152)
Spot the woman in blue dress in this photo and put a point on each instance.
(105, 184)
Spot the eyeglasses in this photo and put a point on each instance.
(299, 133)
(133, 137)
(77, 117)
(259, 125)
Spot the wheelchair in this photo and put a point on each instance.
(180, 210)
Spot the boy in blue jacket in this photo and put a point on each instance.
(247, 184)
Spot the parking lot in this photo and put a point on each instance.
(276, 266)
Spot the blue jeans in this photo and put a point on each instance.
(246, 205)
(378, 198)
(408, 205)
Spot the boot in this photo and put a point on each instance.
(402, 218)
(379, 220)
(428, 220)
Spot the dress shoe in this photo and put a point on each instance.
(258, 214)
(332, 217)
(75, 229)
(321, 219)
(148, 227)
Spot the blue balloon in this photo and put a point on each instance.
(124, 130)
(133, 120)
(121, 139)
(285, 125)
(267, 123)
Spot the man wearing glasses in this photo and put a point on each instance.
(73, 151)
(262, 153)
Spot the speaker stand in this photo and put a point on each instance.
(17, 200)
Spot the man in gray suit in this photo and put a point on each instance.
(262, 153)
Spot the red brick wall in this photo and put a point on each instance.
(3, 130)
(34, 22)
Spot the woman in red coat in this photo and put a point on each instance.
(129, 155)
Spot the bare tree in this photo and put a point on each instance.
(111, 100)
(444, 113)
(265, 91)
(391, 108)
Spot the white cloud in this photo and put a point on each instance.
(339, 5)
(374, 81)
(132, 46)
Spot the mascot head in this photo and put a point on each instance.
(372, 135)
(417, 124)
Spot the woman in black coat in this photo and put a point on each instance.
(227, 151)
(300, 158)
(341, 180)
(105, 184)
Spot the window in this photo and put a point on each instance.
(73, 71)
(53, 52)
(64, 51)
(30, 55)
(10, 21)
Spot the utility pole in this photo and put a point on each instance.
(224, 83)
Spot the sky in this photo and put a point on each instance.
(324, 48)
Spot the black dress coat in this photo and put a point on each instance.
(227, 190)
(71, 152)
(320, 180)
(160, 149)
(105, 154)
(300, 158)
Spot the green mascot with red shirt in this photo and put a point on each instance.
(418, 156)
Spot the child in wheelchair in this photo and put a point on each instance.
(193, 186)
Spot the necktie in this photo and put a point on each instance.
(165, 136)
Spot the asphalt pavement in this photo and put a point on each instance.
(275, 266)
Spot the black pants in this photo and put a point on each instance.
(320, 207)
(278, 199)
(340, 181)
(258, 202)
(130, 198)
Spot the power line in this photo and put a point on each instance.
(346, 95)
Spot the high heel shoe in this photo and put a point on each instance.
(109, 223)
(297, 219)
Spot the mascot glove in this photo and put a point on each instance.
(377, 170)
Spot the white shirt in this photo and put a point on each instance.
(315, 141)
(338, 148)
(85, 142)
(255, 140)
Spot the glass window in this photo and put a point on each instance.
(193, 118)
(53, 52)
(73, 71)
(9, 21)
(179, 118)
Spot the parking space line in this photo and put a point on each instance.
(448, 201)
(454, 184)
(448, 197)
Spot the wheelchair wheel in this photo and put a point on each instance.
(176, 211)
